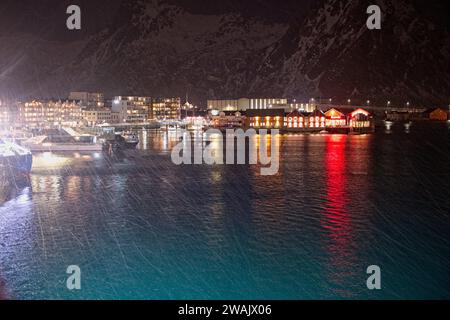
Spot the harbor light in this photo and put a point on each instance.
(388, 125)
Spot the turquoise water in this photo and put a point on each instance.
(140, 227)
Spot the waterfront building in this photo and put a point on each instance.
(188, 110)
(132, 109)
(436, 114)
(301, 121)
(397, 115)
(303, 107)
(296, 120)
(360, 119)
(335, 118)
(244, 104)
(265, 118)
(316, 119)
(88, 99)
(49, 113)
(94, 116)
(187, 107)
(115, 117)
(166, 109)
(223, 105)
(267, 103)
(227, 119)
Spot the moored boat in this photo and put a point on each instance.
(45, 144)
(131, 140)
(121, 141)
(14, 159)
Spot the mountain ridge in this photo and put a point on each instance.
(161, 48)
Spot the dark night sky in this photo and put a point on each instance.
(44, 18)
(35, 16)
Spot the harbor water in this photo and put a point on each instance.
(141, 227)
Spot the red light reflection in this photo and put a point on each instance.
(337, 220)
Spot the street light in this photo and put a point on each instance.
(368, 101)
(349, 101)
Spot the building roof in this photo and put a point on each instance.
(333, 112)
(230, 113)
(265, 112)
(317, 113)
(428, 111)
(296, 113)
(360, 111)
(98, 109)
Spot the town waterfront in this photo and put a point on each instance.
(141, 227)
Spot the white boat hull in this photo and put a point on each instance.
(65, 147)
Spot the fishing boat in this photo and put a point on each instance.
(14, 159)
(45, 144)
(130, 140)
(121, 141)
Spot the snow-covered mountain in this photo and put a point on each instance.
(334, 54)
(240, 48)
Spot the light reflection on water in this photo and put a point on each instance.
(337, 219)
(140, 227)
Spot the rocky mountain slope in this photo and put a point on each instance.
(334, 54)
(240, 48)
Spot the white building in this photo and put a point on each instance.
(223, 105)
(243, 104)
(268, 103)
(132, 109)
(94, 116)
(304, 107)
(165, 109)
(49, 113)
